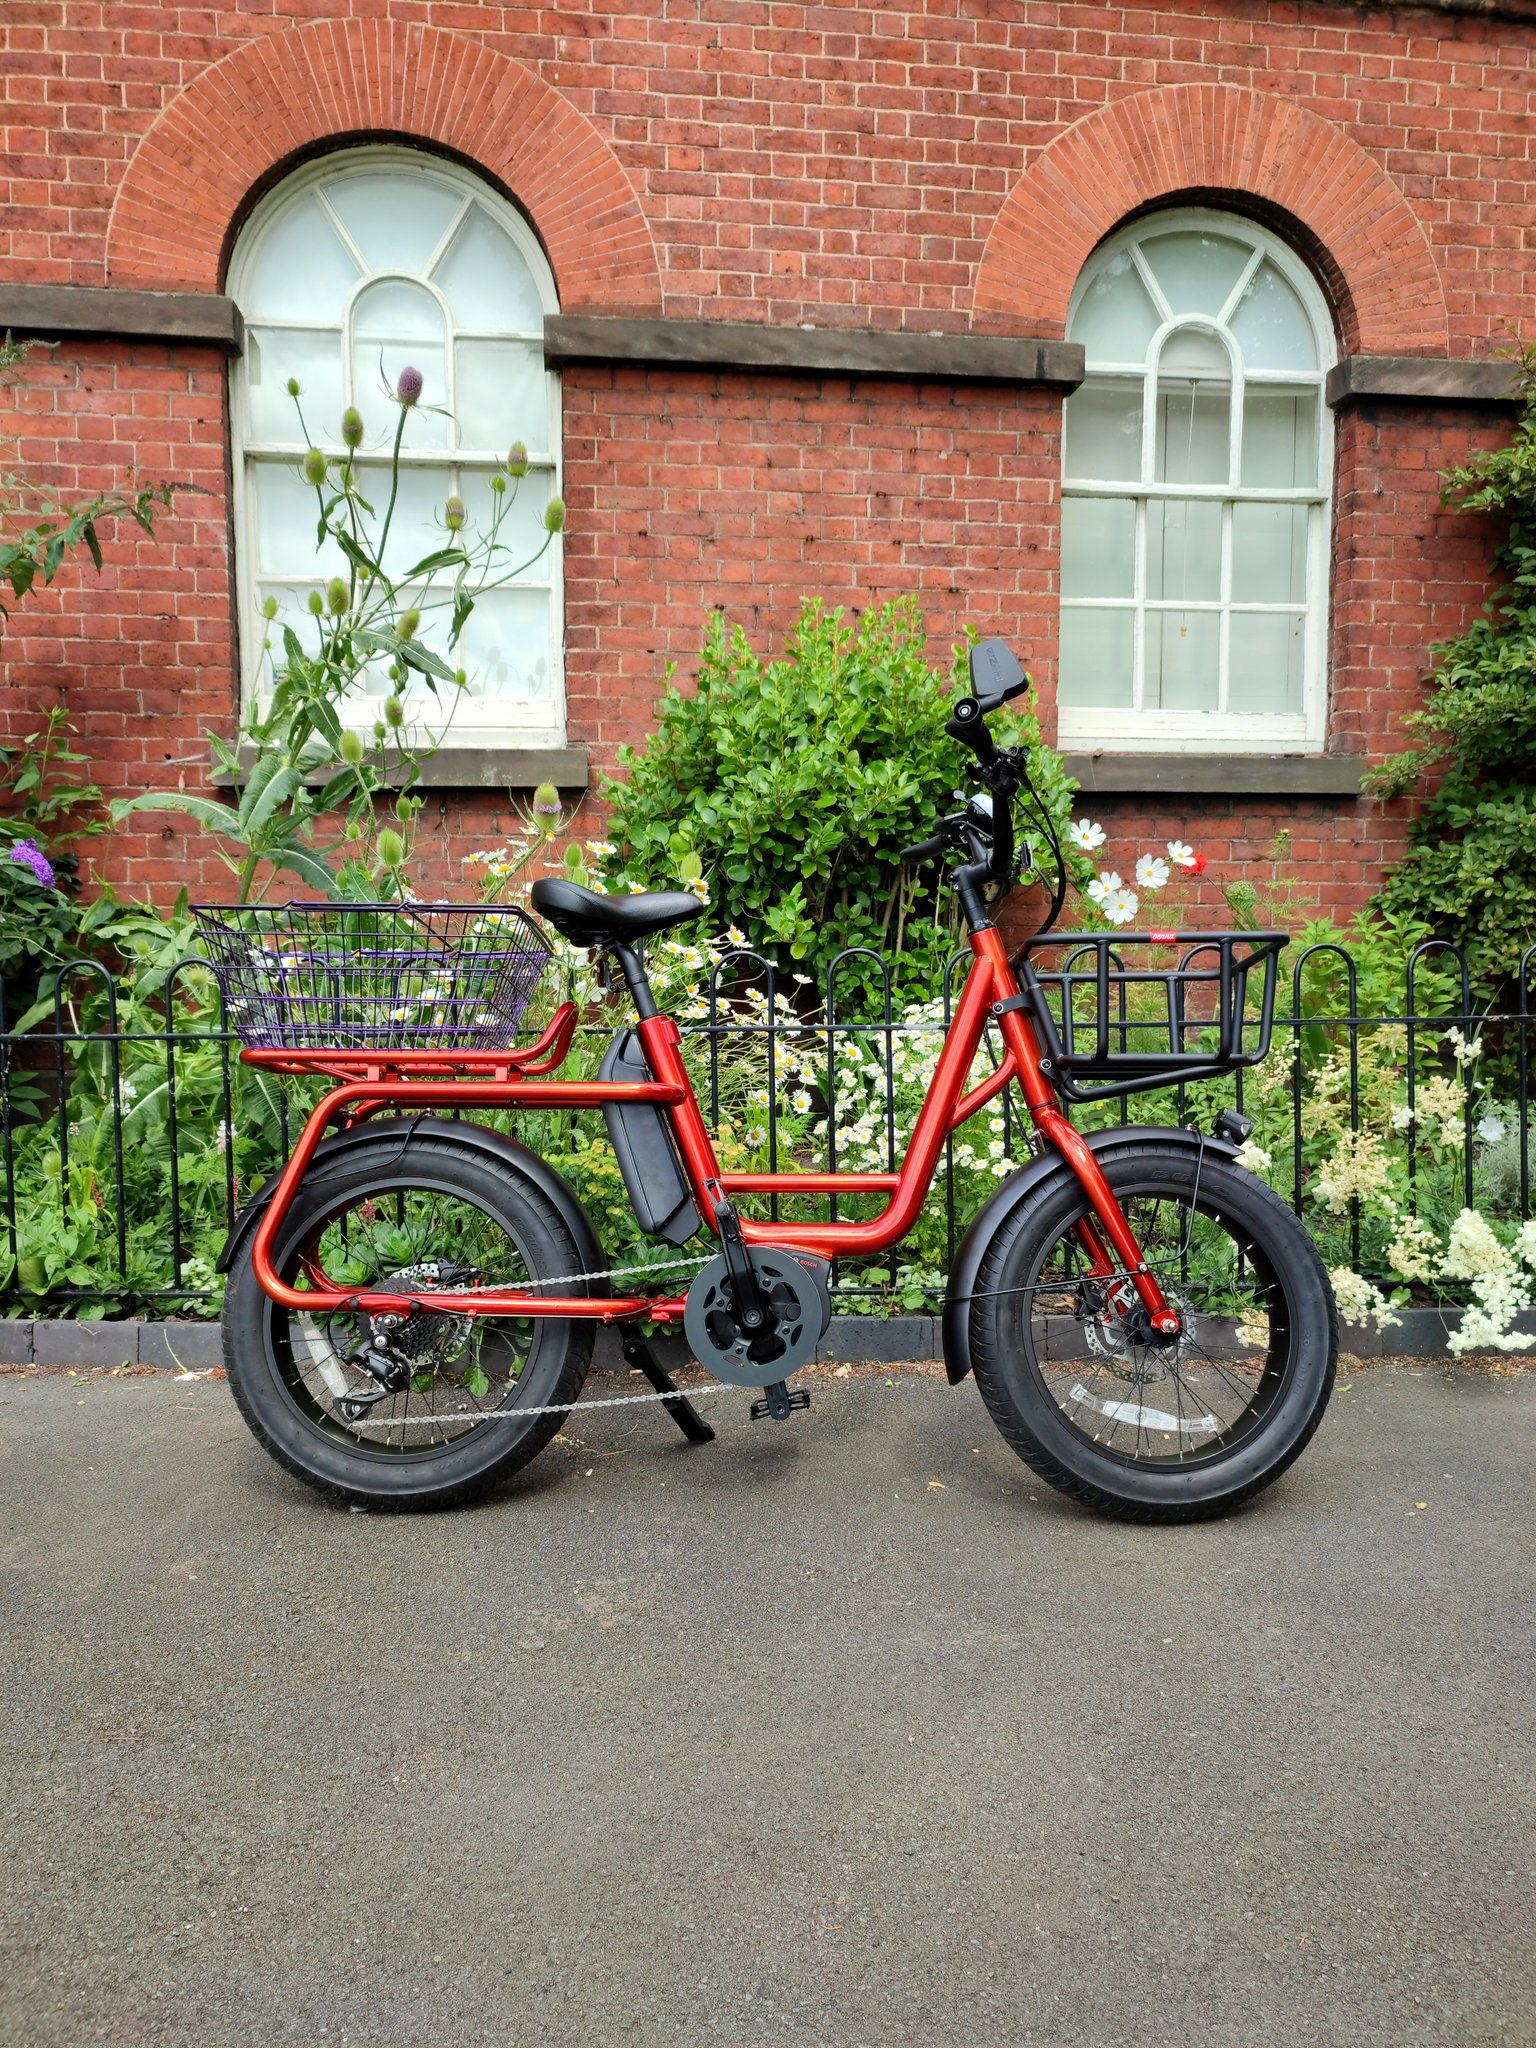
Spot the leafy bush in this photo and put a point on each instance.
(798, 781)
(1470, 870)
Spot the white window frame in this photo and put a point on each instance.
(545, 725)
(1136, 728)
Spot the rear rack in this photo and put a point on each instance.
(1126, 1011)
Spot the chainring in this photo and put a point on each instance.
(795, 1287)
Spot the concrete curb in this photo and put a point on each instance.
(188, 1346)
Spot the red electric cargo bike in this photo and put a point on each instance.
(412, 1301)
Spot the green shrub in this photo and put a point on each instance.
(1470, 870)
(799, 780)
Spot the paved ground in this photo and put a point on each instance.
(843, 1731)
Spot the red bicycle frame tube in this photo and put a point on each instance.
(417, 1081)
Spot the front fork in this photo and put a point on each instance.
(1104, 1233)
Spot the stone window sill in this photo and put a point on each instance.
(471, 768)
(1232, 775)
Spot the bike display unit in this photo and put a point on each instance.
(1149, 1325)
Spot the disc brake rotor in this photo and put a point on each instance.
(800, 1308)
(1107, 1312)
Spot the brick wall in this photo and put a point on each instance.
(783, 163)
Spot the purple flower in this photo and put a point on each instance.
(28, 854)
(408, 386)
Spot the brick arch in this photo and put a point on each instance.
(1210, 140)
(276, 98)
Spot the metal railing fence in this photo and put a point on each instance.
(130, 1134)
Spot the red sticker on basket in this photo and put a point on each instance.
(1163, 938)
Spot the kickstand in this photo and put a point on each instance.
(637, 1353)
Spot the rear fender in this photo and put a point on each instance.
(471, 1137)
(1017, 1189)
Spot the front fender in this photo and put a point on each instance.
(475, 1137)
(999, 1206)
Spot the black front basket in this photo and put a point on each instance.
(1118, 1012)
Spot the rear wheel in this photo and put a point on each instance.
(435, 1408)
(1093, 1402)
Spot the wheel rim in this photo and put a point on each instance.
(1130, 1398)
(420, 1238)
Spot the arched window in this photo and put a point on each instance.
(1195, 493)
(354, 267)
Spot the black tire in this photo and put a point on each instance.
(1256, 1364)
(478, 1367)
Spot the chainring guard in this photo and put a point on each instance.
(794, 1284)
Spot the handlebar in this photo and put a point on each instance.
(984, 830)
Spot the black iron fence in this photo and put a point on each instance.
(130, 1133)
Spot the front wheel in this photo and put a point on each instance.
(1148, 1430)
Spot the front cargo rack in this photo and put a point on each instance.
(1119, 1012)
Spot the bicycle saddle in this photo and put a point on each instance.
(587, 919)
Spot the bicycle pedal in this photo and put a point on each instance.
(779, 1403)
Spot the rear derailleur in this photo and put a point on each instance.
(399, 1347)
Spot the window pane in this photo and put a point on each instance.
(1269, 554)
(1184, 548)
(521, 532)
(1197, 271)
(1103, 432)
(1279, 438)
(1182, 655)
(506, 646)
(1271, 325)
(286, 515)
(1266, 662)
(416, 528)
(301, 271)
(272, 356)
(486, 281)
(396, 323)
(1098, 547)
(1115, 318)
(1193, 432)
(396, 219)
(1096, 654)
(501, 395)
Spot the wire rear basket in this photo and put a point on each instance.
(353, 976)
(1120, 1012)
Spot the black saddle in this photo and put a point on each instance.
(587, 919)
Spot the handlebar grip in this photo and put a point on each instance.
(925, 849)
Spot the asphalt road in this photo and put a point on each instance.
(838, 1731)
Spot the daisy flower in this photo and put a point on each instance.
(756, 1136)
(800, 1102)
(1085, 835)
(599, 848)
(736, 936)
(1120, 905)
(1151, 873)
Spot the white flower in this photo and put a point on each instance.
(756, 1136)
(1415, 1250)
(1181, 855)
(1464, 1050)
(635, 888)
(599, 848)
(1151, 872)
(800, 1102)
(1106, 882)
(736, 935)
(1085, 835)
(1254, 1157)
(1120, 905)
(1402, 1116)
(758, 1098)
(1492, 1130)
(1359, 1301)
(1253, 1330)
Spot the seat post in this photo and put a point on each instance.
(633, 970)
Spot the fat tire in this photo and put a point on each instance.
(1032, 1424)
(482, 1459)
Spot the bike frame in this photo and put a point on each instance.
(371, 1083)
